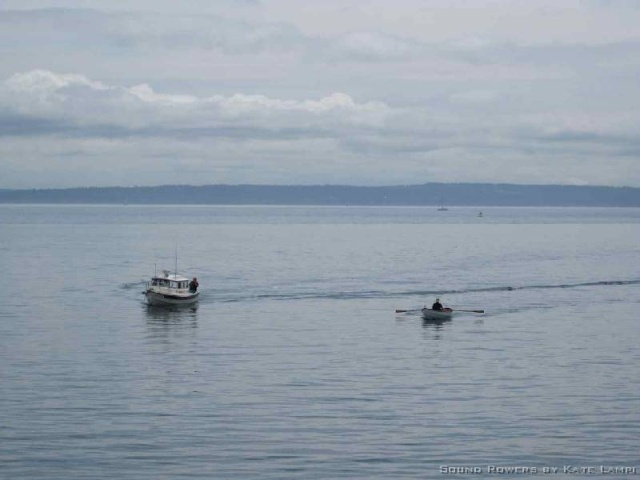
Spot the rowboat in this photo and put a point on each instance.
(444, 314)
(170, 289)
(430, 314)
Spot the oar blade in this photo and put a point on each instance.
(408, 311)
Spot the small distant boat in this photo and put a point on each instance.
(480, 214)
(442, 208)
(430, 314)
(170, 289)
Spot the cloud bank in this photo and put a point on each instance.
(269, 92)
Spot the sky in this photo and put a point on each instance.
(359, 92)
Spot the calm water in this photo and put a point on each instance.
(295, 365)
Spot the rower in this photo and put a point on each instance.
(437, 305)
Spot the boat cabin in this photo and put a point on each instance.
(170, 281)
(164, 282)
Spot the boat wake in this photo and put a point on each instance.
(230, 296)
(601, 283)
(134, 285)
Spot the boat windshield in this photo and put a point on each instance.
(163, 282)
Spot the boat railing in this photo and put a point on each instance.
(167, 288)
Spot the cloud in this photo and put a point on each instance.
(78, 101)
(374, 46)
(166, 6)
(87, 124)
(127, 30)
(43, 82)
(369, 92)
(474, 97)
(630, 4)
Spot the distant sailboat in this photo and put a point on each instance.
(442, 208)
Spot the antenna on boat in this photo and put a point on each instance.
(176, 269)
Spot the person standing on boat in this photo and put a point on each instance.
(193, 285)
(437, 305)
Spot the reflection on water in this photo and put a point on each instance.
(164, 321)
(170, 315)
(435, 323)
(435, 326)
(432, 327)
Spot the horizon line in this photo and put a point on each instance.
(316, 185)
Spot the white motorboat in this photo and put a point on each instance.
(170, 289)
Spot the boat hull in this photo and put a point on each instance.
(163, 299)
(429, 314)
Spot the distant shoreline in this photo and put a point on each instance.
(429, 194)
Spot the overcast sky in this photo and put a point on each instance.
(365, 92)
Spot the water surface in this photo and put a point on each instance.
(294, 364)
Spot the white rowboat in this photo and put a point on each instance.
(430, 314)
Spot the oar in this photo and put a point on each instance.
(453, 309)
